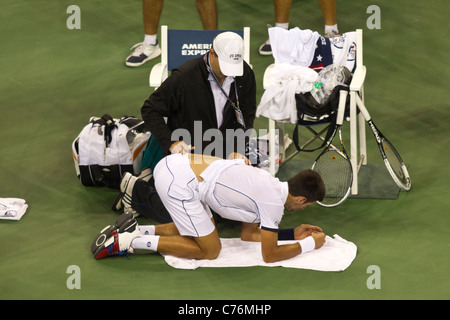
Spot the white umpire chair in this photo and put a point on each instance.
(179, 46)
(357, 122)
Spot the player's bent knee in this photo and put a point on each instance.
(206, 256)
(210, 246)
(210, 250)
(213, 253)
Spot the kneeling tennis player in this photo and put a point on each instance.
(190, 186)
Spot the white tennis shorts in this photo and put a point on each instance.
(177, 186)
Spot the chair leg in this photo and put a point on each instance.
(281, 144)
(272, 156)
(353, 142)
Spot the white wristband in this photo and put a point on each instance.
(307, 244)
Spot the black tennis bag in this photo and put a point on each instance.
(107, 148)
(310, 112)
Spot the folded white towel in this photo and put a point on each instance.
(12, 208)
(335, 255)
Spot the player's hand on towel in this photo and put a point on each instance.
(319, 239)
(305, 230)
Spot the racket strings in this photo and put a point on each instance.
(336, 173)
(394, 160)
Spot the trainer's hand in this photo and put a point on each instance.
(319, 239)
(236, 155)
(180, 147)
(305, 230)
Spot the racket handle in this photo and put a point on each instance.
(362, 108)
(341, 107)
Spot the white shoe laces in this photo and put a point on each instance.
(140, 48)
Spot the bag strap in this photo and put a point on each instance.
(132, 123)
(108, 122)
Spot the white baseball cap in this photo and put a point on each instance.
(229, 47)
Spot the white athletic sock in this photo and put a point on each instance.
(150, 39)
(282, 25)
(330, 29)
(147, 230)
(146, 242)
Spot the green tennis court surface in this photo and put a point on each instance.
(54, 79)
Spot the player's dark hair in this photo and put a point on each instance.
(309, 184)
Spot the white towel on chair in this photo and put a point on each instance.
(335, 255)
(278, 100)
(293, 46)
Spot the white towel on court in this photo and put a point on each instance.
(12, 208)
(335, 255)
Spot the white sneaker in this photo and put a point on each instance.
(124, 198)
(126, 188)
(332, 34)
(143, 52)
(265, 49)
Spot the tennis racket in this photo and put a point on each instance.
(334, 164)
(392, 160)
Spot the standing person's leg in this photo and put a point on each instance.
(328, 8)
(207, 9)
(149, 48)
(282, 10)
(151, 11)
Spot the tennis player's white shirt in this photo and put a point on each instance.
(232, 189)
(244, 193)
